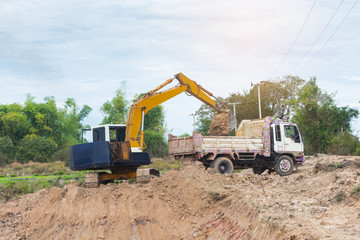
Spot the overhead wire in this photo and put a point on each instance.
(319, 36)
(323, 46)
(297, 37)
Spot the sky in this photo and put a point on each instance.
(87, 49)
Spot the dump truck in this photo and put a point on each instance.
(120, 148)
(262, 144)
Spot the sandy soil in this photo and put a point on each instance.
(315, 202)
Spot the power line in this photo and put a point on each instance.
(292, 45)
(323, 46)
(317, 39)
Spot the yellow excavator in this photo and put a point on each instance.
(120, 148)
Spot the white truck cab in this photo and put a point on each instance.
(287, 137)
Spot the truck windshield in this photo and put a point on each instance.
(292, 132)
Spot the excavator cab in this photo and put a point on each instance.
(107, 149)
(108, 132)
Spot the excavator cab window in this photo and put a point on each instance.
(113, 135)
(121, 134)
(117, 134)
(99, 134)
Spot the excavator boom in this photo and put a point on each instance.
(154, 98)
(116, 146)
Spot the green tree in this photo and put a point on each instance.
(277, 99)
(318, 117)
(157, 145)
(155, 119)
(203, 119)
(42, 116)
(71, 118)
(35, 130)
(154, 132)
(16, 126)
(7, 150)
(35, 148)
(344, 143)
(115, 111)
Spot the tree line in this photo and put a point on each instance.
(43, 132)
(36, 131)
(324, 126)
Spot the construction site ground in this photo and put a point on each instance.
(321, 200)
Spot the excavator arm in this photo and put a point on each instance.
(154, 98)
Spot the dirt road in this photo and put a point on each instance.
(319, 201)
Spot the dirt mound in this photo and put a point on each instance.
(194, 204)
(185, 204)
(329, 167)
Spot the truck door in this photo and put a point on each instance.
(277, 138)
(292, 139)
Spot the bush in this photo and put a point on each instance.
(36, 148)
(7, 148)
(58, 173)
(340, 196)
(355, 191)
(344, 143)
(157, 145)
(4, 160)
(62, 155)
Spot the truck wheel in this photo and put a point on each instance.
(223, 165)
(284, 165)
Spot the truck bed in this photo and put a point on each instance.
(202, 144)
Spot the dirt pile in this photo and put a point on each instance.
(220, 125)
(194, 204)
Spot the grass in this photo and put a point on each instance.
(215, 196)
(165, 165)
(19, 179)
(14, 187)
(340, 196)
(31, 168)
(355, 191)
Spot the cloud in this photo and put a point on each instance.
(77, 48)
(355, 78)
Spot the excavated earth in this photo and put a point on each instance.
(318, 201)
(219, 125)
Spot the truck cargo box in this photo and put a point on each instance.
(204, 144)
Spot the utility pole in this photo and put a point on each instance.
(259, 101)
(193, 115)
(258, 85)
(234, 109)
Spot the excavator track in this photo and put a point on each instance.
(142, 175)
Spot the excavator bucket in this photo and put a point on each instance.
(222, 123)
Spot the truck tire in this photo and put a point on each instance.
(223, 165)
(284, 165)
